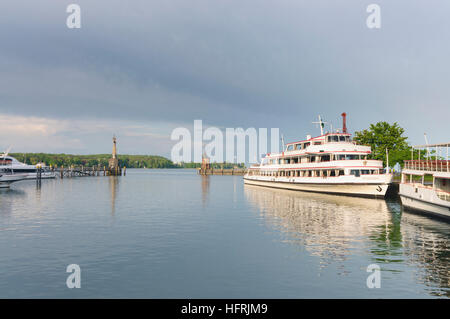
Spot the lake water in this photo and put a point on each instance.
(174, 234)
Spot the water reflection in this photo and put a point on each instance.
(8, 197)
(426, 242)
(336, 228)
(205, 188)
(114, 188)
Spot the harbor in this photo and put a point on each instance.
(212, 236)
(304, 204)
(224, 158)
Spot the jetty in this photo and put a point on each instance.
(207, 169)
(81, 171)
(113, 168)
(222, 171)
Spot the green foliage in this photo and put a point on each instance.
(382, 136)
(130, 161)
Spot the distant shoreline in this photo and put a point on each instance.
(125, 160)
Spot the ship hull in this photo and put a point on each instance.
(424, 200)
(373, 189)
(7, 180)
(44, 175)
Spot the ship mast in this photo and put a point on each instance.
(321, 124)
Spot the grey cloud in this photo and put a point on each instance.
(233, 63)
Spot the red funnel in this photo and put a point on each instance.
(344, 122)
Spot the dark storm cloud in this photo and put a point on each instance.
(230, 63)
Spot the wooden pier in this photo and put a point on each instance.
(82, 171)
(221, 171)
(207, 169)
(112, 169)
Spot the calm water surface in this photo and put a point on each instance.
(174, 234)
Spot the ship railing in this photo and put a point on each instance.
(428, 165)
(443, 195)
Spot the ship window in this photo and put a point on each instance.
(5, 162)
(298, 146)
(317, 143)
(355, 172)
(351, 157)
(341, 172)
(325, 158)
(365, 172)
(306, 145)
(342, 138)
(290, 147)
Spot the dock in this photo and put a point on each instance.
(221, 171)
(207, 169)
(83, 171)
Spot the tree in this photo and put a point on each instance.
(382, 136)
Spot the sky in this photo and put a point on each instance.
(139, 69)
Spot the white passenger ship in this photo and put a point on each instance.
(425, 184)
(330, 163)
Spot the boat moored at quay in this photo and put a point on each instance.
(11, 166)
(6, 179)
(425, 184)
(330, 163)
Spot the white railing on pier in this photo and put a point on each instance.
(428, 165)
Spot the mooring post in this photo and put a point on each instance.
(39, 175)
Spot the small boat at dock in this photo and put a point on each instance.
(425, 183)
(10, 165)
(330, 163)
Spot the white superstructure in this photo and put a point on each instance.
(425, 184)
(330, 163)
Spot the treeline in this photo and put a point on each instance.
(381, 136)
(130, 161)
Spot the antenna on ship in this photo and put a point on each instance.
(321, 124)
(6, 152)
(282, 142)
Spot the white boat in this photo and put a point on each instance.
(7, 178)
(330, 163)
(9, 164)
(425, 184)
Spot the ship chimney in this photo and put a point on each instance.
(344, 124)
